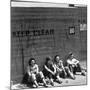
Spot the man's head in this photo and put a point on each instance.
(70, 56)
(48, 60)
(56, 58)
(32, 61)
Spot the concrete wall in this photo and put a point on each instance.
(40, 46)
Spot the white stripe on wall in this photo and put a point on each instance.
(37, 4)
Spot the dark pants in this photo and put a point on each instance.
(48, 74)
(28, 79)
(75, 69)
(62, 73)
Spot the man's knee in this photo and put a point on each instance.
(66, 68)
(41, 74)
(33, 76)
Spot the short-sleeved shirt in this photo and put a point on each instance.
(73, 61)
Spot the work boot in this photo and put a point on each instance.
(83, 73)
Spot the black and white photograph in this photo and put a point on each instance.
(48, 44)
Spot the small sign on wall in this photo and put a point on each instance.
(71, 30)
(83, 27)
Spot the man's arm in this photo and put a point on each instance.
(48, 69)
(70, 62)
(54, 69)
(37, 69)
(75, 61)
(28, 71)
(58, 68)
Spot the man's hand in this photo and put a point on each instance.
(53, 73)
(29, 74)
(73, 65)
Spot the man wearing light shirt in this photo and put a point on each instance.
(74, 64)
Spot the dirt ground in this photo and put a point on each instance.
(80, 80)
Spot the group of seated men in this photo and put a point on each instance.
(53, 71)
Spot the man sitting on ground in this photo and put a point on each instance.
(74, 64)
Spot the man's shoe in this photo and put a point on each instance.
(83, 73)
(45, 85)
